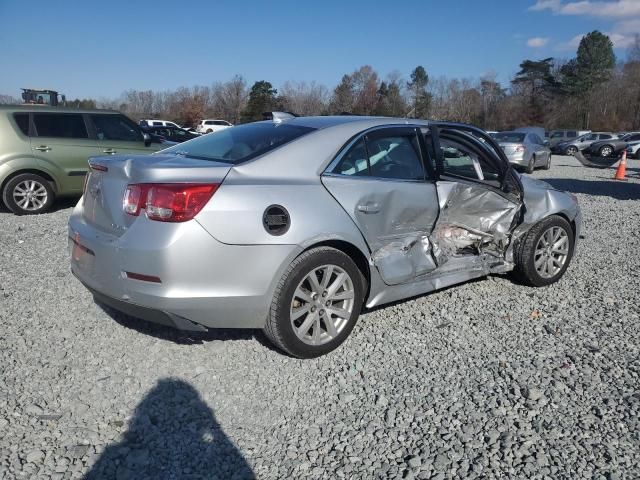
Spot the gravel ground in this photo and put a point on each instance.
(487, 379)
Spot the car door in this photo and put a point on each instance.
(117, 134)
(381, 181)
(479, 193)
(61, 141)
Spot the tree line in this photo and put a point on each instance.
(593, 90)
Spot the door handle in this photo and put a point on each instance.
(109, 151)
(369, 208)
(43, 148)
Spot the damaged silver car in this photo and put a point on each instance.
(294, 225)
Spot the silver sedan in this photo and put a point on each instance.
(294, 225)
(525, 150)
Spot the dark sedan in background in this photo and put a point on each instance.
(614, 146)
(170, 134)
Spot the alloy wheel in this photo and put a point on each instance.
(322, 304)
(30, 195)
(572, 151)
(552, 251)
(606, 151)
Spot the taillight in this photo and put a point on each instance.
(520, 148)
(86, 180)
(168, 202)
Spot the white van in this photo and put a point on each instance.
(209, 125)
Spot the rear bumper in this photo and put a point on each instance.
(518, 159)
(203, 282)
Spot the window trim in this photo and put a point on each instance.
(379, 131)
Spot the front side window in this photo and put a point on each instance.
(59, 125)
(116, 127)
(242, 143)
(461, 161)
(593, 136)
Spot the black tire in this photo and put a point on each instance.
(547, 166)
(525, 269)
(209, 131)
(11, 189)
(605, 151)
(532, 164)
(571, 151)
(279, 328)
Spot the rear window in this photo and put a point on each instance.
(60, 125)
(509, 137)
(22, 120)
(238, 144)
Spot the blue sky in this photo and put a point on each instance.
(99, 49)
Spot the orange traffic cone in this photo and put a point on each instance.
(622, 168)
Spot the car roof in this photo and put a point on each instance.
(47, 109)
(322, 122)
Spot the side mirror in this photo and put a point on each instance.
(147, 139)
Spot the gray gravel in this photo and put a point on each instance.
(488, 379)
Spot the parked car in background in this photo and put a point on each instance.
(172, 134)
(580, 143)
(524, 150)
(559, 136)
(44, 151)
(613, 146)
(633, 150)
(158, 123)
(329, 214)
(212, 125)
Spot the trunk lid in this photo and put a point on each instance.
(109, 176)
(509, 148)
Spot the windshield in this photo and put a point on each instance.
(239, 144)
(509, 137)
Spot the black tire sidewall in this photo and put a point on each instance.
(292, 343)
(7, 194)
(528, 255)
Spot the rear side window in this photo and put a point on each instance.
(605, 137)
(221, 122)
(242, 143)
(395, 158)
(354, 162)
(60, 125)
(158, 124)
(209, 122)
(116, 127)
(22, 120)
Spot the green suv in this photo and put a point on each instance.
(44, 151)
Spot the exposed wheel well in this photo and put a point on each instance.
(34, 171)
(355, 254)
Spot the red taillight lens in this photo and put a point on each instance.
(520, 148)
(168, 202)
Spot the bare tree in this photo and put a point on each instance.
(230, 98)
(304, 98)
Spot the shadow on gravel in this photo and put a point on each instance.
(173, 434)
(184, 337)
(605, 188)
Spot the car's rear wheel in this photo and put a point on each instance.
(28, 194)
(605, 151)
(209, 131)
(316, 303)
(571, 150)
(531, 166)
(545, 252)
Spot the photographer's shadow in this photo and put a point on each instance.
(173, 435)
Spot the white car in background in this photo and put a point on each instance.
(158, 123)
(209, 125)
(633, 150)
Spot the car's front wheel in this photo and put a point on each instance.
(605, 150)
(28, 194)
(547, 165)
(545, 252)
(316, 303)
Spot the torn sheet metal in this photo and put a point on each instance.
(472, 220)
(403, 259)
